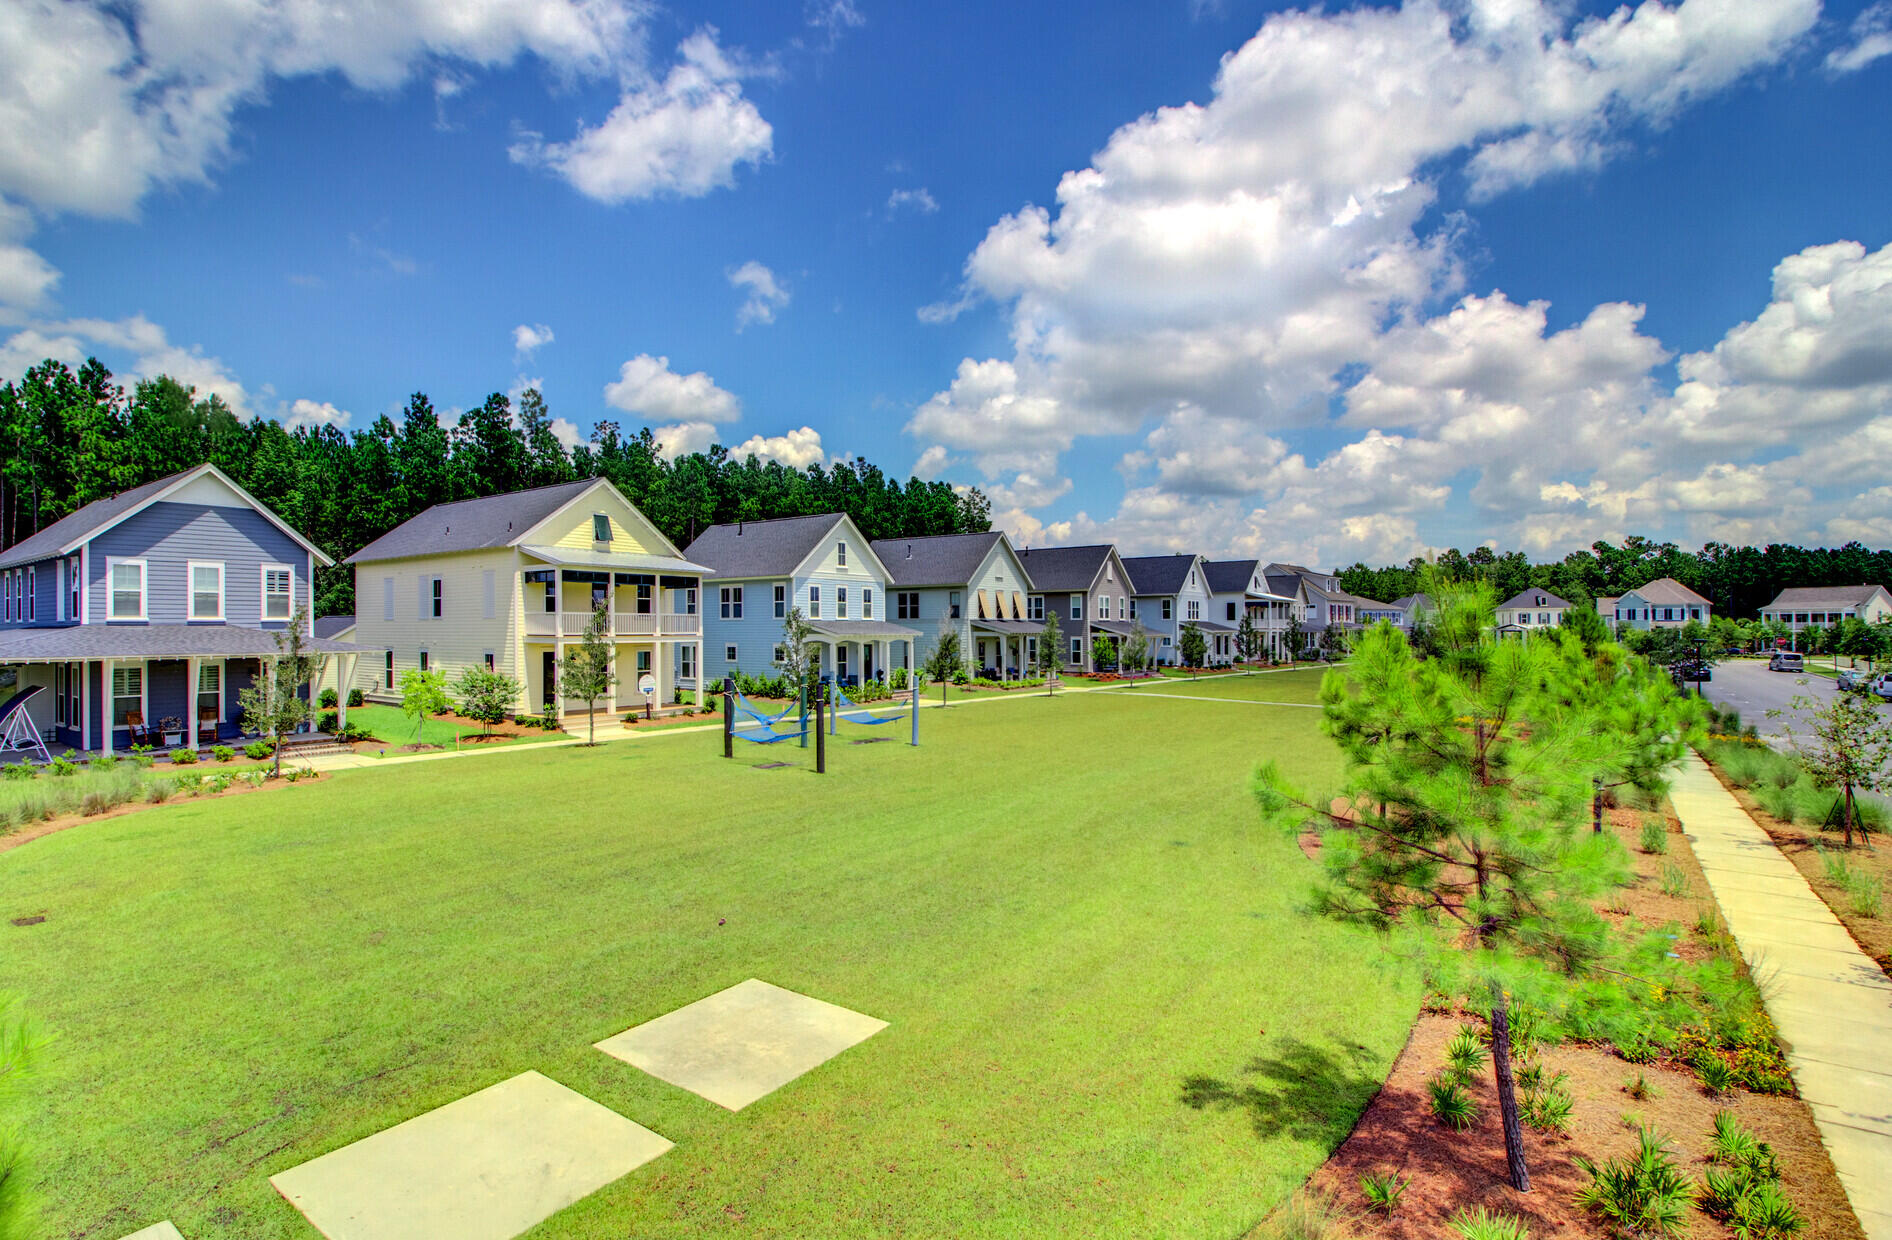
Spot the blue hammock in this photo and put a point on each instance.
(760, 728)
(845, 708)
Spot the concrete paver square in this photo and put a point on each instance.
(486, 1167)
(157, 1231)
(741, 1043)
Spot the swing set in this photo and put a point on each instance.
(744, 720)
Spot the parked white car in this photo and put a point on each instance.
(1786, 661)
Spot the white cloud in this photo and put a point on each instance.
(29, 347)
(648, 387)
(567, 433)
(930, 462)
(683, 438)
(765, 294)
(153, 354)
(529, 338)
(920, 200)
(1870, 40)
(681, 137)
(833, 18)
(313, 414)
(25, 277)
(797, 449)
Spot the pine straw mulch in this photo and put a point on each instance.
(1450, 1171)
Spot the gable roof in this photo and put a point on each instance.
(1159, 574)
(1412, 602)
(1533, 598)
(775, 548)
(333, 626)
(1823, 596)
(1229, 576)
(473, 524)
(67, 533)
(1668, 591)
(1283, 584)
(937, 559)
(1064, 568)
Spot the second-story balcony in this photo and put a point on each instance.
(623, 625)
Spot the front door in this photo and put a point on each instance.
(867, 662)
(548, 676)
(840, 663)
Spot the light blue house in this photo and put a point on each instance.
(141, 617)
(758, 570)
(1168, 591)
(971, 584)
(1664, 603)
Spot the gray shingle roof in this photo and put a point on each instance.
(1821, 596)
(750, 549)
(1668, 591)
(1229, 576)
(1064, 568)
(472, 524)
(940, 560)
(76, 525)
(1411, 601)
(1158, 574)
(1284, 584)
(147, 641)
(329, 626)
(1533, 598)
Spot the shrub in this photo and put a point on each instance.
(1641, 1088)
(143, 756)
(1638, 1194)
(356, 699)
(104, 762)
(899, 680)
(158, 791)
(222, 753)
(1464, 1054)
(184, 756)
(1450, 1104)
(1480, 1225)
(20, 770)
(1714, 1074)
(256, 751)
(353, 732)
(1547, 1107)
(253, 778)
(189, 785)
(1655, 836)
(1764, 1213)
(64, 765)
(1733, 1145)
(1383, 1190)
(327, 699)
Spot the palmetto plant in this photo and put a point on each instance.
(1638, 1194)
(1451, 1105)
(1383, 1190)
(1482, 1225)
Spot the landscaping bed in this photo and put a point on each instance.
(127, 790)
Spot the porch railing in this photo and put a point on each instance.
(623, 624)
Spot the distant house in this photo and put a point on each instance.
(1368, 611)
(154, 605)
(1662, 603)
(509, 582)
(1800, 607)
(1323, 604)
(1088, 589)
(972, 584)
(1238, 586)
(757, 570)
(1169, 591)
(1412, 607)
(1531, 609)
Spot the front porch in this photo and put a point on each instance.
(666, 666)
(850, 651)
(1004, 649)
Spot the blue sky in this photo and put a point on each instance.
(1237, 278)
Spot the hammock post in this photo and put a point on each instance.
(821, 741)
(729, 717)
(801, 697)
(915, 704)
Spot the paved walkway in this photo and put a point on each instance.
(1830, 1001)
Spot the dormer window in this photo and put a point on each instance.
(600, 527)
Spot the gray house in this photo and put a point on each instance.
(1088, 589)
(971, 584)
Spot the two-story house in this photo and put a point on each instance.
(1800, 607)
(1529, 610)
(756, 571)
(151, 610)
(1321, 603)
(1664, 603)
(1238, 586)
(1169, 591)
(509, 582)
(1088, 589)
(974, 585)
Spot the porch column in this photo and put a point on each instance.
(85, 705)
(344, 678)
(105, 698)
(190, 701)
(662, 653)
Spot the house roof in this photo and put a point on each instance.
(1230, 576)
(148, 641)
(473, 524)
(74, 528)
(1283, 584)
(1669, 591)
(1064, 568)
(1533, 598)
(1823, 596)
(617, 561)
(849, 629)
(1158, 574)
(937, 560)
(748, 549)
(332, 626)
(1412, 601)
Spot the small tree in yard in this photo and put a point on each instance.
(1333, 642)
(1846, 744)
(1456, 832)
(1050, 647)
(1104, 652)
(423, 694)
(798, 661)
(587, 672)
(1191, 646)
(274, 705)
(1649, 724)
(487, 696)
(1297, 636)
(1247, 637)
(944, 663)
(1136, 648)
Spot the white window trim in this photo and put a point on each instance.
(814, 602)
(840, 555)
(32, 594)
(262, 598)
(144, 588)
(144, 692)
(387, 600)
(190, 589)
(781, 600)
(436, 596)
(867, 602)
(197, 690)
(729, 652)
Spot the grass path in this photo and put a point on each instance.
(1065, 909)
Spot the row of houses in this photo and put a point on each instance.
(148, 612)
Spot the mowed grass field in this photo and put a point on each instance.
(1064, 907)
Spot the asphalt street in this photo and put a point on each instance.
(1750, 688)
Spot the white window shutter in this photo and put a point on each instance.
(486, 595)
(387, 598)
(421, 599)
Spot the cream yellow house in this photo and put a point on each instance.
(510, 582)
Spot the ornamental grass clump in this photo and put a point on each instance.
(1451, 1104)
(1743, 1188)
(1382, 1190)
(1655, 836)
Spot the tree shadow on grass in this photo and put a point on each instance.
(1298, 1089)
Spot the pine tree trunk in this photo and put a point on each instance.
(1849, 815)
(1596, 808)
(1507, 1092)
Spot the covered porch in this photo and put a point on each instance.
(851, 651)
(643, 596)
(665, 665)
(1220, 640)
(1005, 649)
(1119, 631)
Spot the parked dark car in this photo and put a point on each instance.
(1691, 670)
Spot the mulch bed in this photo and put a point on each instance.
(1450, 1171)
(47, 826)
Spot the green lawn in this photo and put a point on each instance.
(1064, 907)
(396, 727)
(1298, 686)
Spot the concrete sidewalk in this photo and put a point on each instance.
(1830, 1001)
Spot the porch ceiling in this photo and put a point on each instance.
(622, 561)
(150, 641)
(854, 630)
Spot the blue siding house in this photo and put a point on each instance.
(758, 570)
(1169, 591)
(971, 584)
(151, 609)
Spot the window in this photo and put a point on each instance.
(551, 595)
(1231, 612)
(1031, 651)
(686, 662)
(1035, 607)
(75, 684)
(32, 592)
(731, 602)
(814, 602)
(1543, 617)
(781, 654)
(206, 590)
(1077, 607)
(1668, 613)
(600, 527)
(387, 598)
(1694, 613)
(689, 602)
(210, 690)
(59, 693)
(1195, 609)
(6, 596)
(1133, 609)
(278, 582)
(840, 602)
(1166, 607)
(486, 595)
(867, 603)
(1077, 650)
(1103, 607)
(781, 601)
(72, 584)
(425, 661)
(952, 605)
(840, 555)
(128, 588)
(907, 605)
(438, 596)
(643, 661)
(128, 692)
(387, 672)
(487, 658)
(729, 653)
(1167, 640)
